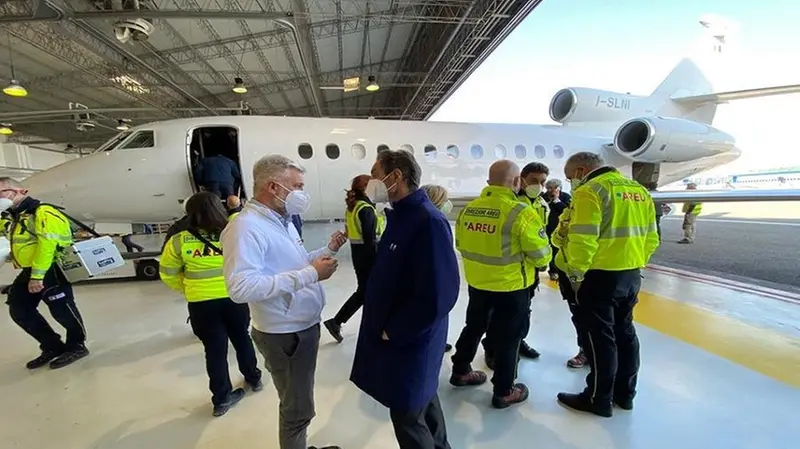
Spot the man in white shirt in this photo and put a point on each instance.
(267, 267)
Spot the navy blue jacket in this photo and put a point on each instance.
(217, 169)
(412, 288)
(297, 221)
(555, 210)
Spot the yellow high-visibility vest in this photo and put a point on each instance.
(36, 239)
(695, 211)
(353, 224)
(191, 267)
(612, 226)
(538, 204)
(502, 241)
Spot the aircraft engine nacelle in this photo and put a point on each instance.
(669, 139)
(579, 104)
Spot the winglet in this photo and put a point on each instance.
(723, 97)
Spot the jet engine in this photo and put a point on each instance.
(669, 139)
(580, 104)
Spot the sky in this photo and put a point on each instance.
(630, 46)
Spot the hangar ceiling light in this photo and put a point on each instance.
(5, 129)
(15, 89)
(373, 84)
(238, 86)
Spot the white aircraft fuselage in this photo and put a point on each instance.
(146, 185)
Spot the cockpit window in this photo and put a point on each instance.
(113, 142)
(142, 139)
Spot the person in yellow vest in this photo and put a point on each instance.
(37, 232)
(364, 226)
(502, 243)
(532, 179)
(690, 213)
(191, 263)
(439, 197)
(610, 237)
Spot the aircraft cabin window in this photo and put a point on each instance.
(383, 147)
(539, 151)
(499, 151)
(407, 147)
(358, 151)
(520, 151)
(476, 151)
(452, 151)
(558, 151)
(142, 139)
(305, 151)
(430, 152)
(332, 151)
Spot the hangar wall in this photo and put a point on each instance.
(20, 161)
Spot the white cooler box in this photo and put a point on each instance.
(89, 258)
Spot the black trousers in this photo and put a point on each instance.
(605, 312)
(552, 268)
(215, 322)
(509, 313)
(57, 294)
(421, 429)
(130, 245)
(356, 300)
(222, 190)
(487, 342)
(569, 296)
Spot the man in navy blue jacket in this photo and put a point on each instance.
(411, 290)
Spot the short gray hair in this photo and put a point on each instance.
(586, 158)
(271, 167)
(553, 183)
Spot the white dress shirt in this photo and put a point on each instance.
(267, 267)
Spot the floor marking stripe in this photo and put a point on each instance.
(764, 351)
(743, 221)
(773, 293)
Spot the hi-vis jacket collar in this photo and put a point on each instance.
(499, 191)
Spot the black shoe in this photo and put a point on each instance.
(583, 404)
(324, 447)
(45, 358)
(233, 399)
(470, 379)
(624, 404)
(335, 329)
(519, 393)
(258, 386)
(527, 352)
(448, 347)
(69, 357)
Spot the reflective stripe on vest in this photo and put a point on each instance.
(202, 268)
(505, 245)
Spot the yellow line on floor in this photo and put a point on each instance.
(762, 350)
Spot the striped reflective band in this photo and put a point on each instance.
(37, 272)
(615, 232)
(170, 271)
(506, 257)
(356, 241)
(203, 274)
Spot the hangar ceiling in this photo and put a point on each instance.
(293, 57)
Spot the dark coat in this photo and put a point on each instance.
(217, 169)
(412, 288)
(297, 221)
(556, 208)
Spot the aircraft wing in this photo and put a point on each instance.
(702, 196)
(723, 97)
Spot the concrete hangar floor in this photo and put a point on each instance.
(720, 369)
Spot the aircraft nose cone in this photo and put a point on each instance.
(48, 186)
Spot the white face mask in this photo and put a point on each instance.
(533, 190)
(447, 207)
(377, 191)
(297, 202)
(5, 203)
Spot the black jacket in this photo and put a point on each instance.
(556, 208)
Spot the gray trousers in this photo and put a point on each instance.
(291, 359)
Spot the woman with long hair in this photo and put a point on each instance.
(438, 196)
(191, 263)
(364, 227)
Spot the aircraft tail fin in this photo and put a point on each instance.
(686, 80)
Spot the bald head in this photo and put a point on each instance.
(504, 173)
